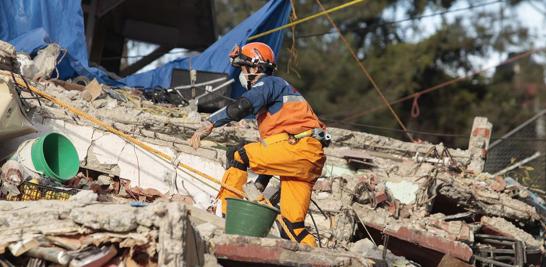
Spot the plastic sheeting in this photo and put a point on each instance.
(215, 59)
(32, 24)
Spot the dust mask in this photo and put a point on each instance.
(244, 80)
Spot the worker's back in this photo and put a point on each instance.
(284, 111)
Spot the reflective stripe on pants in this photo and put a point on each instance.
(298, 165)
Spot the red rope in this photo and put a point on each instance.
(415, 111)
(444, 84)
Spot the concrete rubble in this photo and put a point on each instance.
(379, 202)
(161, 233)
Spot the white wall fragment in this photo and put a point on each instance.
(107, 147)
(80, 136)
(144, 169)
(404, 191)
(138, 166)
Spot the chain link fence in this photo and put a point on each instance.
(521, 153)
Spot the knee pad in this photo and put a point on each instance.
(230, 157)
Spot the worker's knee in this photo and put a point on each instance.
(236, 157)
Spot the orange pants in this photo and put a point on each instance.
(298, 166)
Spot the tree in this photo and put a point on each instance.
(403, 61)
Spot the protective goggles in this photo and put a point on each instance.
(237, 58)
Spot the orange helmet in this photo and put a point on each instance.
(254, 55)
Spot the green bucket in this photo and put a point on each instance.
(249, 218)
(55, 156)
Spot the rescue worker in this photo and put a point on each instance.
(290, 134)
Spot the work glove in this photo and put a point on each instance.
(203, 131)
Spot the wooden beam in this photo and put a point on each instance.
(150, 33)
(85, 8)
(106, 6)
(90, 27)
(157, 53)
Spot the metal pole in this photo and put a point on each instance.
(198, 84)
(518, 164)
(213, 91)
(515, 130)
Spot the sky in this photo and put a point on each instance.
(526, 13)
(531, 13)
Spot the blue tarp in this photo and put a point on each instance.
(32, 24)
(214, 59)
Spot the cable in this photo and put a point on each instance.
(139, 56)
(444, 84)
(385, 243)
(463, 136)
(365, 71)
(394, 129)
(316, 228)
(145, 147)
(321, 211)
(99, 123)
(365, 228)
(410, 18)
(540, 10)
(288, 25)
(210, 82)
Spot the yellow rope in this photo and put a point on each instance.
(127, 137)
(144, 146)
(305, 19)
(366, 72)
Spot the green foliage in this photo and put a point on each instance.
(403, 60)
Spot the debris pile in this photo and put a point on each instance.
(83, 232)
(430, 210)
(378, 200)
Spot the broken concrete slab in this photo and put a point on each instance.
(13, 120)
(164, 229)
(368, 249)
(116, 218)
(440, 180)
(92, 91)
(413, 232)
(179, 243)
(254, 250)
(7, 56)
(505, 228)
(7, 50)
(404, 191)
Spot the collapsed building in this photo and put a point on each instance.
(380, 201)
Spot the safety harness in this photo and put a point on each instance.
(318, 133)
